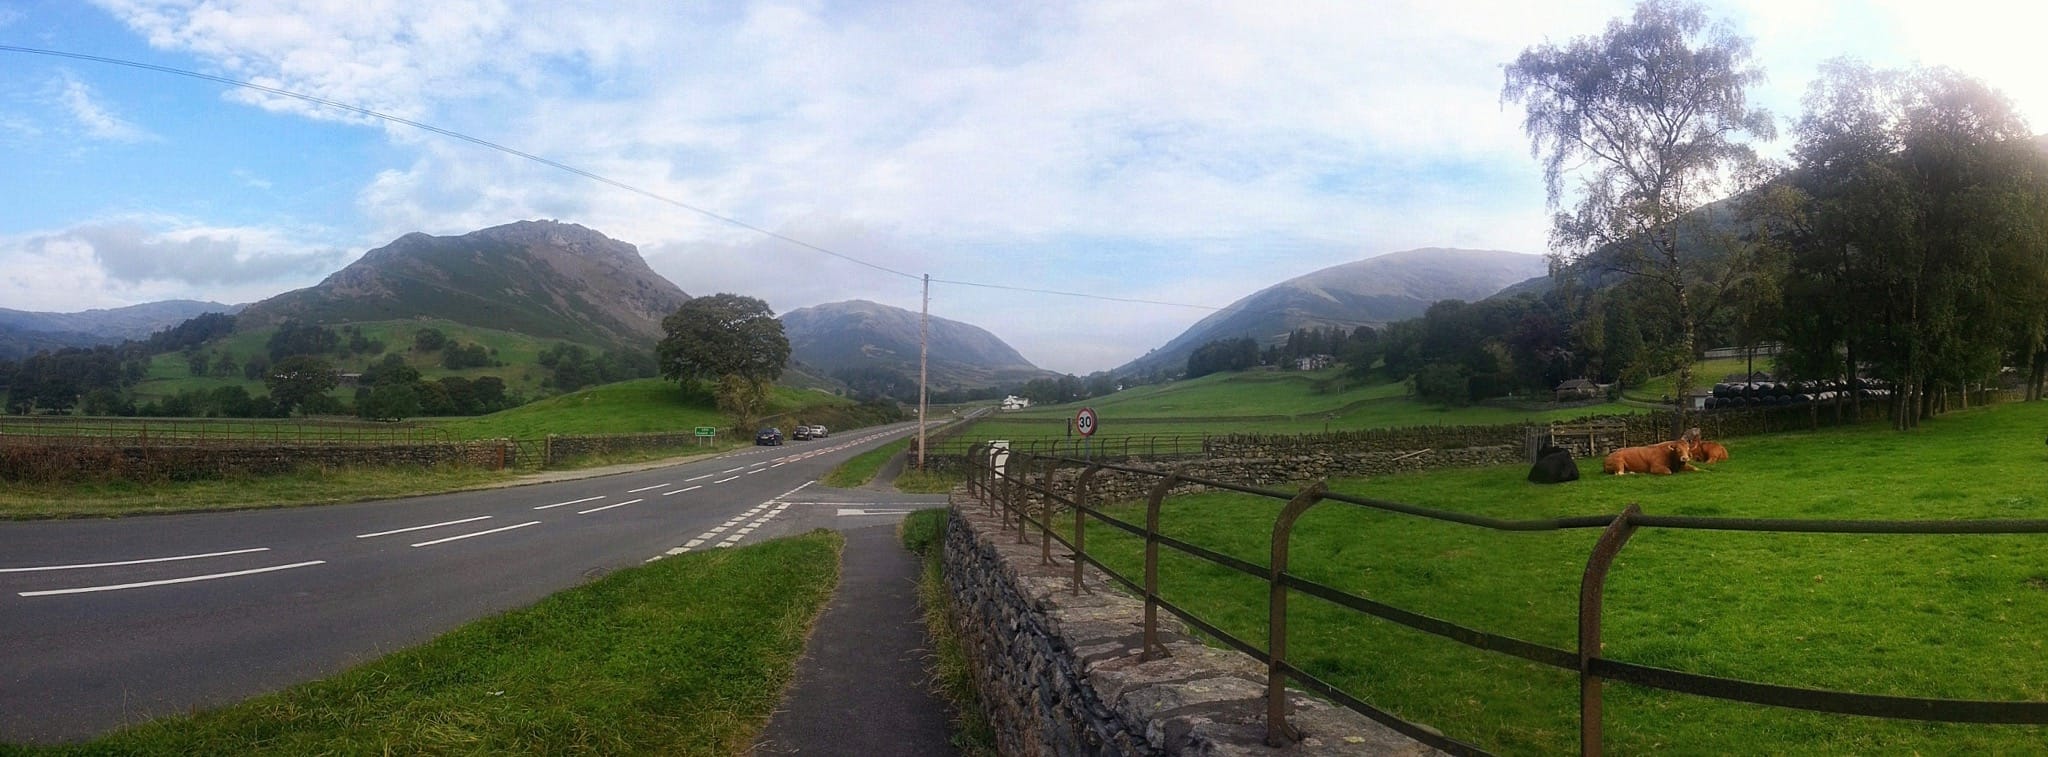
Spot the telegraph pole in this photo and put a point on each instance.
(924, 320)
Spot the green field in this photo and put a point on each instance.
(1261, 402)
(687, 655)
(1930, 616)
(648, 405)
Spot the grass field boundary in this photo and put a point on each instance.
(1010, 491)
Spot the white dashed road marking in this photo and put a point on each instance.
(759, 514)
(479, 533)
(684, 489)
(130, 562)
(699, 478)
(187, 579)
(844, 511)
(421, 528)
(723, 480)
(606, 507)
(646, 488)
(571, 502)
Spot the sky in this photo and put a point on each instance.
(1177, 152)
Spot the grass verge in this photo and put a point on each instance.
(928, 482)
(686, 655)
(863, 467)
(924, 533)
(1959, 617)
(20, 501)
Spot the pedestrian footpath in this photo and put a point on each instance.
(861, 685)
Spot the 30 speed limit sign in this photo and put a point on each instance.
(1084, 421)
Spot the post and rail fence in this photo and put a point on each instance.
(1009, 482)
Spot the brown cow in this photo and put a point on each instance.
(1661, 459)
(1702, 450)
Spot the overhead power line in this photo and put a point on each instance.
(608, 181)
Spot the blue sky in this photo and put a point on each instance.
(1163, 151)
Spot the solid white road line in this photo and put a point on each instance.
(571, 502)
(723, 480)
(417, 528)
(130, 562)
(645, 488)
(187, 579)
(479, 533)
(684, 489)
(606, 507)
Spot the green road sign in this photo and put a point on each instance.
(707, 431)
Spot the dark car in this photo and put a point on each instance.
(768, 436)
(800, 433)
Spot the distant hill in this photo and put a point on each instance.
(1374, 291)
(839, 336)
(541, 278)
(24, 333)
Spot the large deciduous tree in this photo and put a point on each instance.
(727, 338)
(299, 381)
(1641, 125)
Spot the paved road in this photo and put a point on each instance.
(109, 622)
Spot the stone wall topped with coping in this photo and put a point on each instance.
(1062, 674)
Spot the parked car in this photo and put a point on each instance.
(800, 433)
(818, 432)
(768, 437)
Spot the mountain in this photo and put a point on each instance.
(24, 333)
(541, 278)
(838, 337)
(1370, 292)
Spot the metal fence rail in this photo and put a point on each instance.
(1008, 486)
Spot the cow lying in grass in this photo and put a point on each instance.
(1554, 465)
(1702, 450)
(1661, 459)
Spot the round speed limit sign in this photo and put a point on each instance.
(1084, 421)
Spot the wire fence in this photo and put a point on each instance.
(1011, 482)
(190, 432)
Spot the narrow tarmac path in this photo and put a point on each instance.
(861, 686)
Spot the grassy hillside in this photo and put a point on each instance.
(169, 374)
(1932, 616)
(628, 407)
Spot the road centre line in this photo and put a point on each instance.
(754, 471)
(187, 579)
(606, 507)
(645, 488)
(759, 464)
(570, 502)
(479, 533)
(723, 480)
(685, 489)
(778, 465)
(418, 528)
(131, 562)
(699, 478)
(729, 470)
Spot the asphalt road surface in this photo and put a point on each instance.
(105, 623)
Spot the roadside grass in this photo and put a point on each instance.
(928, 481)
(924, 534)
(862, 468)
(1395, 412)
(686, 655)
(311, 486)
(1961, 616)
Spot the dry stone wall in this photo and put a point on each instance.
(1061, 673)
(67, 462)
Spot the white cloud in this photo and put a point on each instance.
(84, 106)
(126, 260)
(1188, 152)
